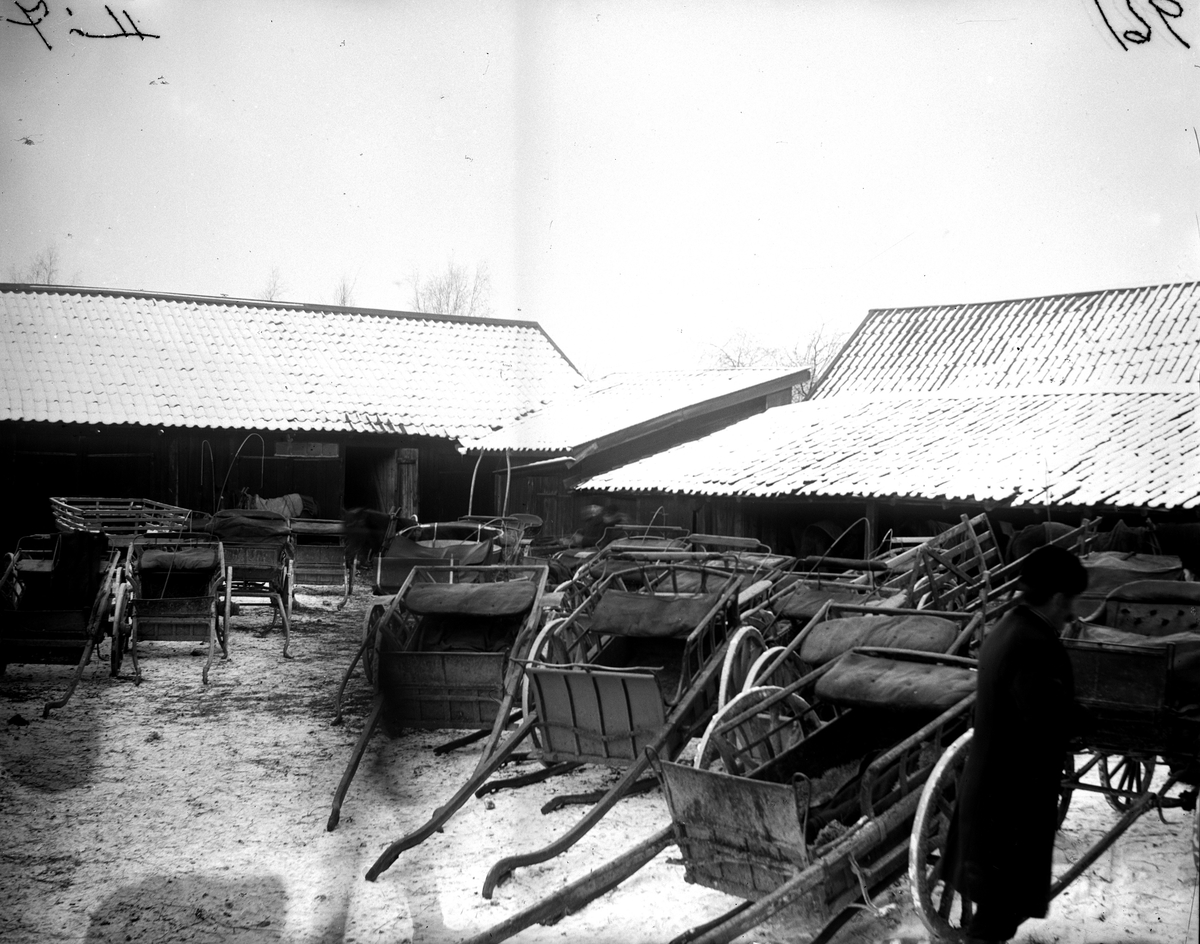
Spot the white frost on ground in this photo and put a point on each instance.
(173, 811)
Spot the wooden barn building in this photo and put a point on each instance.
(614, 421)
(1061, 407)
(187, 400)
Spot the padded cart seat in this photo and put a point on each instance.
(829, 639)
(870, 680)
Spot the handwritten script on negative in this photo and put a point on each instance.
(39, 15)
(1140, 30)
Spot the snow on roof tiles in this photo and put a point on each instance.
(618, 402)
(1117, 337)
(99, 356)
(1079, 448)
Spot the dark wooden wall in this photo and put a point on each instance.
(204, 470)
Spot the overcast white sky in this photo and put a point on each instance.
(645, 179)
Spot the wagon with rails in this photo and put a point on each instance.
(636, 664)
(122, 519)
(446, 652)
(1138, 679)
(56, 597)
(172, 589)
(259, 554)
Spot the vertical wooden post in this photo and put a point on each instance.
(406, 464)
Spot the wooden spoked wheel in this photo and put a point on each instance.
(1196, 838)
(942, 910)
(789, 671)
(777, 725)
(120, 634)
(1066, 788)
(546, 648)
(745, 648)
(1129, 776)
(372, 630)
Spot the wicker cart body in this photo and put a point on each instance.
(260, 558)
(174, 589)
(320, 548)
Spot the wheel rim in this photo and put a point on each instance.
(939, 905)
(744, 650)
(758, 740)
(1128, 775)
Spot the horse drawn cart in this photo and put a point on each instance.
(122, 519)
(446, 652)
(637, 664)
(260, 557)
(1138, 680)
(56, 597)
(171, 590)
(800, 796)
(320, 549)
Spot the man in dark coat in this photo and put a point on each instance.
(1002, 839)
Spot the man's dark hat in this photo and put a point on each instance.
(1051, 569)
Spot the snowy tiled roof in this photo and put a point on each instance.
(624, 400)
(1116, 338)
(1117, 449)
(98, 356)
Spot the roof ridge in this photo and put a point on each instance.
(37, 288)
(1057, 296)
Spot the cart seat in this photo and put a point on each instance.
(804, 602)
(828, 640)
(1108, 570)
(861, 680)
(504, 598)
(1151, 607)
(187, 558)
(621, 613)
(250, 527)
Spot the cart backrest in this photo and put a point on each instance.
(829, 639)
(861, 680)
(621, 613)
(1151, 608)
(504, 598)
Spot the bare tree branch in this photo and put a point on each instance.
(813, 351)
(456, 291)
(274, 288)
(41, 270)
(343, 292)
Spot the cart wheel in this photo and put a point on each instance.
(1130, 776)
(938, 905)
(791, 670)
(1196, 838)
(119, 636)
(371, 624)
(1066, 788)
(759, 738)
(744, 649)
(546, 648)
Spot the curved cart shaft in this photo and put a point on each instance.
(698, 690)
(443, 813)
(575, 895)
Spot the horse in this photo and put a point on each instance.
(292, 505)
(1178, 540)
(367, 532)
